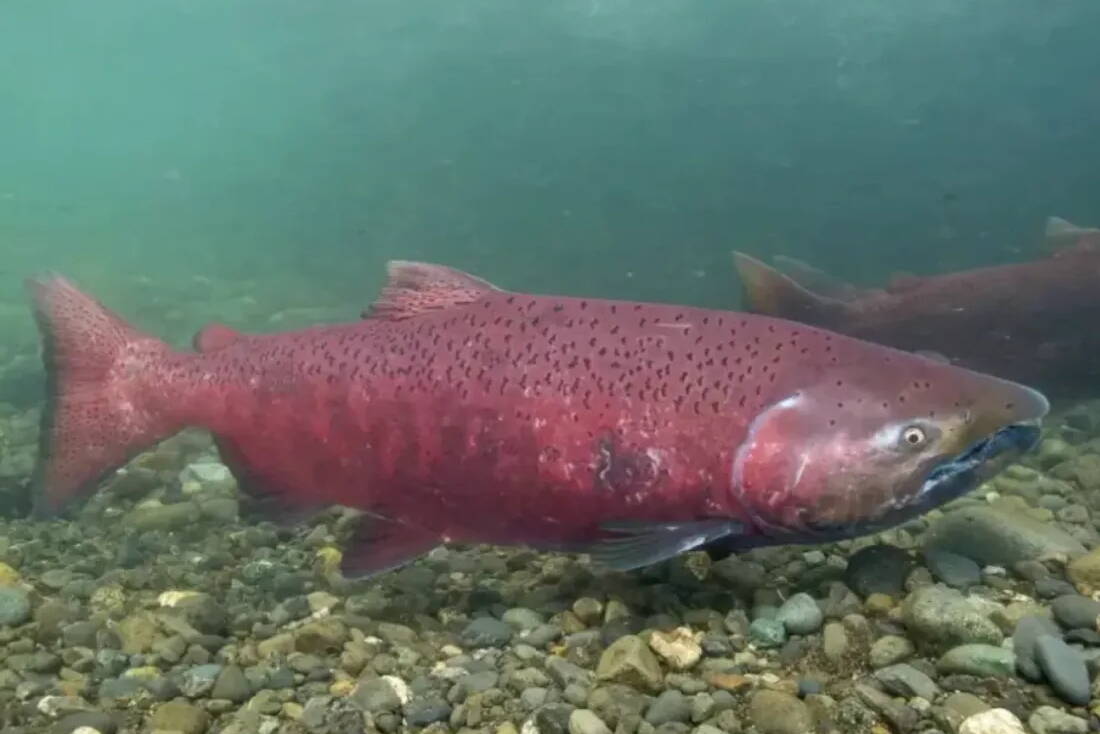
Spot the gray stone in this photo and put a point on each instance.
(945, 618)
(834, 642)
(671, 705)
(479, 682)
(120, 689)
(553, 718)
(995, 536)
(15, 606)
(522, 619)
(775, 712)
(616, 703)
(427, 710)
(878, 569)
(181, 717)
(199, 680)
(486, 632)
(585, 721)
(1064, 668)
(800, 615)
(956, 708)
(901, 717)
(952, 569)
(396, 634)
(1028, 631)
(906, 681)
(1049, 720)
(166, 518)
(231, 685)
(629, 661)
(565, 673)
(375, 695)
(533, 697)
(889, 650)
(1074, 611)
(80, 634)
(977, 659)
(767, 632)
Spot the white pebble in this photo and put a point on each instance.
(993, 721)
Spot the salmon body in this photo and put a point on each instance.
(457, 411)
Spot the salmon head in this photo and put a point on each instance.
(877, 437)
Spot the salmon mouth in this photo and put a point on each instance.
(956, 476)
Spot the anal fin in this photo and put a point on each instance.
(379, 545)
(257, 496)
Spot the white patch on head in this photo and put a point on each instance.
(887, 437)
(741, 454)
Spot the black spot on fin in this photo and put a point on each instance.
(645, 543)
(414, 288)
(379, 545)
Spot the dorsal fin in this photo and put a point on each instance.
(933, 355)
(215, 336)
(815, 279)
(770, 292)
(1060, 233)
(413, 288)
(903, 281)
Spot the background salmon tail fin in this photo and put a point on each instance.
(98, 412)
(770, 292)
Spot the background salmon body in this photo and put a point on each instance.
(1019, 321)
(518, 418)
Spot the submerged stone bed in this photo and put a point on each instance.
(158, 609)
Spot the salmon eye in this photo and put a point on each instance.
(914, 436)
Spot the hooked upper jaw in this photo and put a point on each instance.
(996, 439)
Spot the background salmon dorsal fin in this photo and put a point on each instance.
(770, 292)
(215, 336)
(816, 280)
(414, 288)
(1060, 234)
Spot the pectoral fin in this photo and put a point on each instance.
(645, 543)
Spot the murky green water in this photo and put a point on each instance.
(586, 146)
(257, 162)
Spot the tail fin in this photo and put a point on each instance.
(770, 292)
(100, 381)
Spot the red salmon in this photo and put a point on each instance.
(457, 411)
